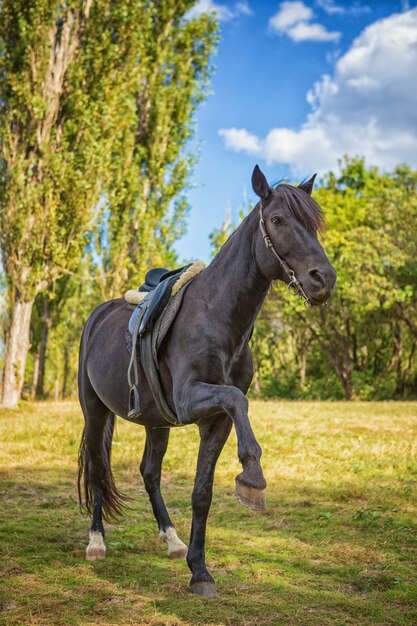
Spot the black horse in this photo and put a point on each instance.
(205, 366)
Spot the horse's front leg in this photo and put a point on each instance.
(200, 400)
(213, 437)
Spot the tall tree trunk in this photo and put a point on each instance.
(346, 378)
(56, 390)
(35, 375)
(46, 324)
(17, 348)
(66, 373)
(343, 368)
(256, 384)
(398, 340)
(303, 368)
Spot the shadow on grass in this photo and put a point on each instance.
(317, 556)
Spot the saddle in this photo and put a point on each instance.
(157, 287)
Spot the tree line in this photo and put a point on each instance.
(97, 100)
(96, 112)
(363, 344)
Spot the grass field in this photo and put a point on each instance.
(337, 544)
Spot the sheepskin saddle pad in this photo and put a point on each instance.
(158, 292)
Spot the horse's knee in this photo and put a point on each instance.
(249, 453)
(235, 401)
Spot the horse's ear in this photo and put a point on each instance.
(308, 186)
(260, 184)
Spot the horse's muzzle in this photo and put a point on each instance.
(319, 284)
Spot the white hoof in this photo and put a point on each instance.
(96, 548)
(176, 548)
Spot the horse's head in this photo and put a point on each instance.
(287, 246)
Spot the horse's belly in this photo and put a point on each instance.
(107, 365)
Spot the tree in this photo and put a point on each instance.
(144, 206)
(366, 227)
(53, 146)
(78, 90)
(363, 344)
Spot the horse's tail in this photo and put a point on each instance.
(97, 473)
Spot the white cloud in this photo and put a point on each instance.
(224, 13)
(290, 13)
(368, 107)
(295, 20)
(240, 140)
(303, 31)
(331, 8)
(243, 8)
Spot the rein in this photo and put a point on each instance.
(294, 286)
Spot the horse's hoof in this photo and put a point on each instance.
(250, 496)
(96, 549)
(208, 590)
(176, 548)
(178, 554)
(94, 554)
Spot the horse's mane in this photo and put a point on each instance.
(302, 206)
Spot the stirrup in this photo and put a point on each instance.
(134, 403)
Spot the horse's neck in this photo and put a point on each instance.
(239, 287)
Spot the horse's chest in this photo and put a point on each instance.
(234, 366)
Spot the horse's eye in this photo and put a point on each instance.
(275, 219)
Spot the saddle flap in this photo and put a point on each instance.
(147, 329)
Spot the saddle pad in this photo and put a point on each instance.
(133, 296)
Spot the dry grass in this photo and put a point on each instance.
(336, 546)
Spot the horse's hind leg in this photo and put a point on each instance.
(95, 477)
(96, 548)
(150, 468)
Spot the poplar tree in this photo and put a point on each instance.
(53, 147)
(96, 101)
(145, 204)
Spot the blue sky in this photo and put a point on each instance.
(297, 85)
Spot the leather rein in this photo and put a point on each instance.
(294, 286)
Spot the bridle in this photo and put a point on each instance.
(294, 286)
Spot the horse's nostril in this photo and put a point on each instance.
(317, 277)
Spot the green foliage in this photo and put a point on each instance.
(57, 323)
(96, 110)
(219, 236)
(369, 216)
(144, 207)
(363, 344)
(54, 139)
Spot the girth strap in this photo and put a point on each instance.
(154, 382)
